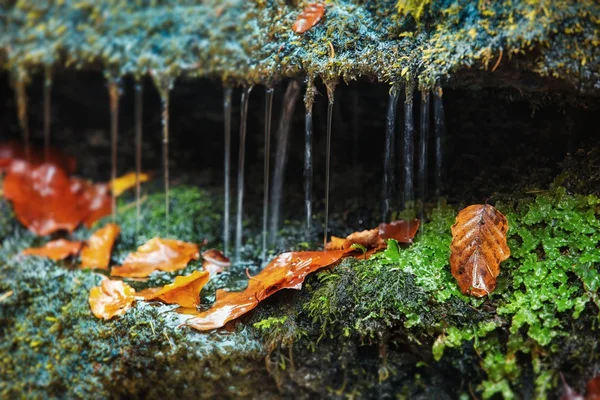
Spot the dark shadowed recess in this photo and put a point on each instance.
(496, 137)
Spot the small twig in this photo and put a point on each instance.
(129, 206)
(497, 61)
(6, 295)
(331, 50)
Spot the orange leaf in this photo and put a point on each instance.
(93, 200)
(286, 271)
(402, 231)
(111, 299)
(55, 249)
(96, 252)
(41, 198)
(336, 243)
(184, 291)
(215, 262)
(126, 182)
(309, 17)
(157, 254)
(478, 247)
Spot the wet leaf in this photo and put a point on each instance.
(111, 299)
(12, 151)
(96, 252)
(55, 249)
(157, 254)
(309, 17)
(93, 199)
(593, 389)
(478, 247)
(184, 291)
(214, 262)
(286, 271)
(42, 198)
(126, 182)
(376, 239)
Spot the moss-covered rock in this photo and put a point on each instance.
(252, 41)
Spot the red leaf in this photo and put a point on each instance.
(309, 17)
(593, 389)
(286, 271)
(402, 231)
(12, 151)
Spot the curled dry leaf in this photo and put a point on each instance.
(286, 271)
(309, 17)
(478, 247)
(214, 262)
(12, 151)
(184, 291)
(96, 252)
(400, 230)
(55, 249)
(126, 182)
(111, 299)
(157, 254)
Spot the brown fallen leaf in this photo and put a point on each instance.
(184, 291)
(12, 151)
(478, 247)
(157, 254)
(111, 299)
(55, 249)
(126, 182)
(96, 252)
(286, 271)
(93, 200)
(376, 239)
(309, 17)
(215, 262)
(593, 389)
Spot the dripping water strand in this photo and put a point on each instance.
(330, 95)
(408, 149)
(113, 90)
(165, 141)
(308, 167)
(290, 98)
(227, 93)
(240, 178)
(423, 153)
(388, 157)
(439, 120)
(139, 91)
(47, 109)
(268, 109)
(21, 92)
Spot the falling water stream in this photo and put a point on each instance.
(440, 128)
(423, 153)
(227, 93)
(283, 135)
(164, 88)
(21, 93)
(113, 91)
(268, 109)
(240, 178)
(308, 162)
(388, 157)
(330, 97)
(139, 92)
(47, 108)
(408, 148)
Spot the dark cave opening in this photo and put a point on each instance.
(496, 139)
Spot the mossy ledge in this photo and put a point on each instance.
(393, 325)
(531, 45)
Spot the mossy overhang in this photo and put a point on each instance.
(526, 44)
